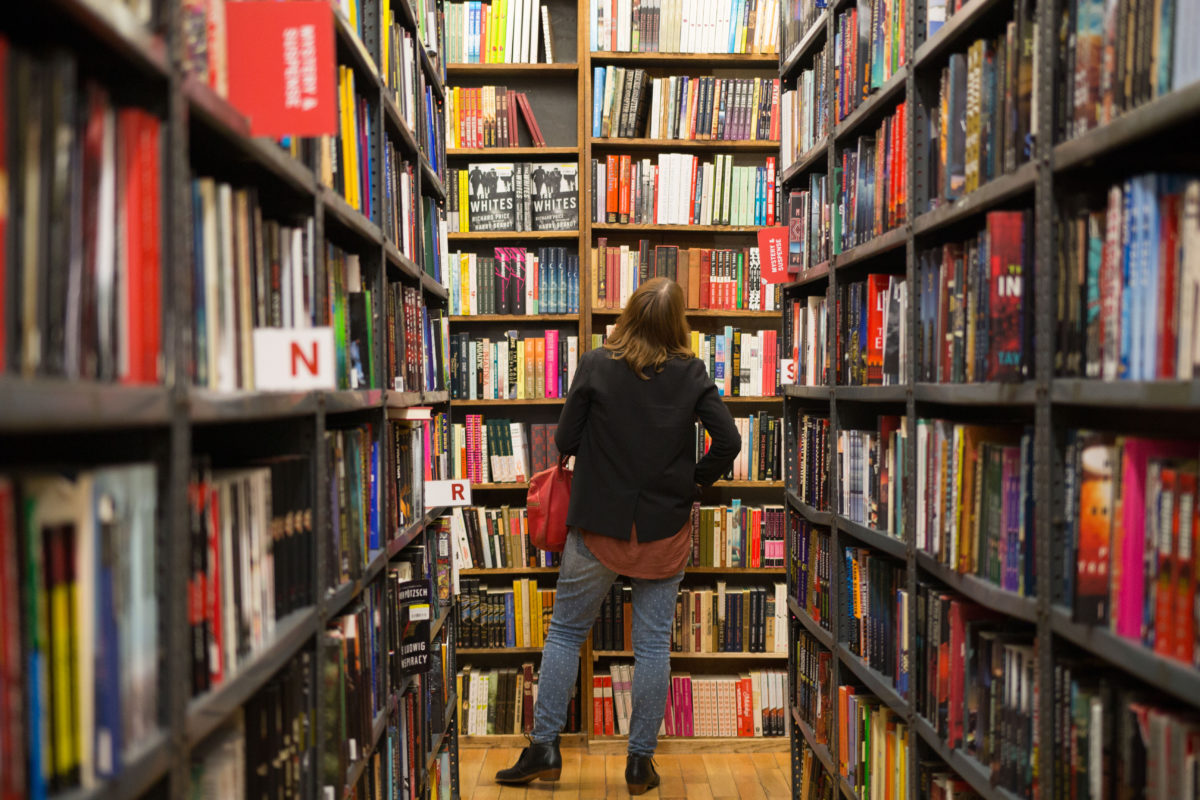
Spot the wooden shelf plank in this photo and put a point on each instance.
(691, 59)
(616, 143)
(698, 656)
(540, 401)
(484, 236)
(505, 152)
(513, 319)
(459, 70)
(612, 227)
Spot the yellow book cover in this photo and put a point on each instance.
(458, 684)
(518, 612)
(539, 368)
(464, 216)
(535, 614)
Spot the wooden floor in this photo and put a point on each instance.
(719, 776)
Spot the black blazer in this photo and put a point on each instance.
(634, 445)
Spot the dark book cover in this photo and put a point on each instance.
(555, 197)
(1007, 283)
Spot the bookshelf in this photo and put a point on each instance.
(176, 421)
(1067, 170)
(562, 101)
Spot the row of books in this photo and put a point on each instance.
(418, 342)
(975, 510)
(685, 26)
(400, 199)
(499, 32)
(815, 783)
(681, 189)
(812, 460)
(492, 450)
(872, 319)
(1115, 741)
(499, 617)
(975, 680)
(762, 442)
(514, 281)
(873, 614)
(737, 536)
(811, 671)
(80, 226)
(486, 116)
(700, 706)
(798, 18)
(805, 111)
(742, 363)
(514, 367)
(742, 705)
(498, 538)
(1131, 528)
(513, 197)
(272, 762)
(991, 88)
(810, 568)
(344, 160)
(872, 36)
(417, 449)
(721, 619)
(248, 273)
(79, 641)
(873, 193)
(1117, 56)
(399, 66)
(1128, 275)
(431, 136)
(500, 701)
(871, 475)
(873, 746)
(805, 328)
(351, 314)
(723, 278)
(810, 225)
(251, 560)
(974, 313)
(683, 107)
(432, 31)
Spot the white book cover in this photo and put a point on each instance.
(1189, 290)
(660, 201)
(625, 31)
(512, 18)
(520, 456)
(572, 359)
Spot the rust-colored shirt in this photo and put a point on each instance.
(651, 560)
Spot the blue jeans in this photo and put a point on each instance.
(583, 583)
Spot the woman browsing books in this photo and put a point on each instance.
(629, 421)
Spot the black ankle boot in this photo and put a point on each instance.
(640, 774)
(536, 761)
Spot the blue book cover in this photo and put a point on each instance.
(510, 632)
(597, 93)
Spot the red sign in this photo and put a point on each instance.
(772, 254)
(281, 66)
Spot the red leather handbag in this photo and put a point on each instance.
(546, 506)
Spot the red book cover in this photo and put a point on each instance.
(623, 197)
(692, 220)
(130, 191)
(1166, 536)
(689, 719)
(597, 705)
(745, 713)
(1168, 277)
(770, 220)
(611, 164)
(527, 699)
(608, 705)
(1005, 254)
(961, 612)
(1185, 561)
(151, 276)
(945, 333)
(655, 205)
(705, 278)
(878, 287)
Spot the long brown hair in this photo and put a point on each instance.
(652, 329)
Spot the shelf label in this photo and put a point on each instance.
(297, 359)
(447, 493)
(772, 253)
(281, 66)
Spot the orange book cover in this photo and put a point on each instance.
(623, 189)
(611, 164)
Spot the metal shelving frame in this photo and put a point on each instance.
(1049, 402)
(168, 416)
